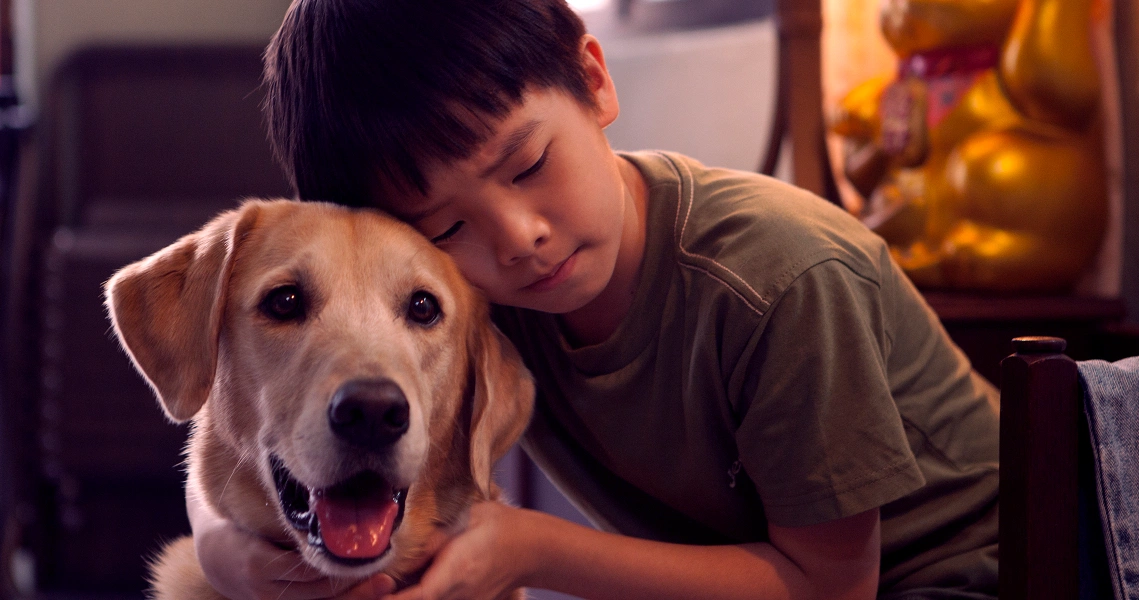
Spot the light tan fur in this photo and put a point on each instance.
(190, 318)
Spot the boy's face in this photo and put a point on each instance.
(537, 215)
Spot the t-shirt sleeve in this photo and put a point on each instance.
(819, 433)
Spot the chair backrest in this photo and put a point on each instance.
(1051, 536)
(1040, 414)
(799, 108)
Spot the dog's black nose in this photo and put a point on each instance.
(372, 413)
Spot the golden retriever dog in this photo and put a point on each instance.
(348, 392)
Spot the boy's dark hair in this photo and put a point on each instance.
(364, 91)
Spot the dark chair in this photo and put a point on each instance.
(1051, 540)
(137, 146)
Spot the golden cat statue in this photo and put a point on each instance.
(982, 162)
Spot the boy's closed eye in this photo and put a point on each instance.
(447, 234)
(532, 169)
(529, 172)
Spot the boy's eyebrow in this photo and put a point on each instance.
(414, 217)
(512, 144)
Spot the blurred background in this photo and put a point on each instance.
(127, 123)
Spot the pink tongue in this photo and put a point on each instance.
(356, 527)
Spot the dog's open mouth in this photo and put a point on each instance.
(352, 521)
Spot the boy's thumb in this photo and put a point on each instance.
(375, 587)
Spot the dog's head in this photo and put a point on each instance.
(347, 389)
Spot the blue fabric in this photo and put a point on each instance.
(1111, 401)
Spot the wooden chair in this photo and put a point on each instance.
(799, 116)
(1051, 540)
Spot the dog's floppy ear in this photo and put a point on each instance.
(166, 311)
(503, 400)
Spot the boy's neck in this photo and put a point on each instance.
(596, 321)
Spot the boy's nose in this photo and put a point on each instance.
(521, 234)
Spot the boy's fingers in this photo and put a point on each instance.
(414, 592)
(374, 588)
(436, 541)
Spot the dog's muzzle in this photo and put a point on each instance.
(351, 522)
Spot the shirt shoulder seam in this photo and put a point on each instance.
(684, 204)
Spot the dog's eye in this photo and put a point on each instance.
(283, 304)
(423, 308)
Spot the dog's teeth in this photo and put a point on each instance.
(314, 530)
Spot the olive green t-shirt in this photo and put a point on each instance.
(775, 366)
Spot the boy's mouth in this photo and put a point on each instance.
(351, 522)
(555, 277)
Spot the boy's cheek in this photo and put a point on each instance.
(475, 271)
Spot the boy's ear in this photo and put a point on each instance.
(598, 79)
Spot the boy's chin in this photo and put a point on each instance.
(555, 304)
(561, 301)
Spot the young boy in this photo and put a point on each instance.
(736, 383)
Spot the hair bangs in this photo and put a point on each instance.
(363, 94)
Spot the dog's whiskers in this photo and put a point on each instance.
(279, 557)
(435, 444)
(236, 465)
(294, 568)
(288, 582)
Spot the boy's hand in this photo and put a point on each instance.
(483, 561)
(374, 588)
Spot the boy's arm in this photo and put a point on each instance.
(507, 547)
